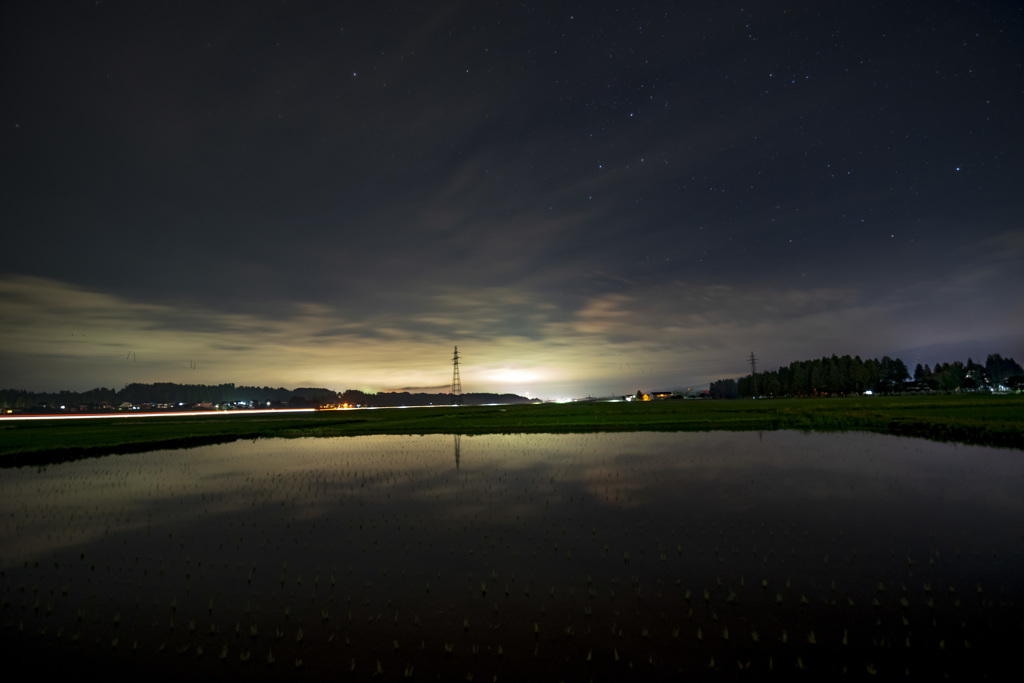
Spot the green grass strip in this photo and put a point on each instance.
(988, 420)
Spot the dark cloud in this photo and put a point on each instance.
(557, 185)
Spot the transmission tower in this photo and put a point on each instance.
(456, 380)
(753, 373)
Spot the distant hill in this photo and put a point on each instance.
(402, 398)
(171, 396)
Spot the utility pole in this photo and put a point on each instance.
(753, 374)
(456, 380)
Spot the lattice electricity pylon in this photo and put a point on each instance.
(456, 380)
(753, 374)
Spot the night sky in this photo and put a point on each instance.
(585, 197)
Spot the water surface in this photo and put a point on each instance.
(596, 556)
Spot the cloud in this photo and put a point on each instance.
(609, 335)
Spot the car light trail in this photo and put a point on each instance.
(91, 416)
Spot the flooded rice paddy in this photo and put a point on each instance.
(632, 556)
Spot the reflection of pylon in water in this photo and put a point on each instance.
(458, 447)
(456, 380)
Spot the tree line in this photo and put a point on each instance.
(844, 376)
(160, 393)
(169, 394)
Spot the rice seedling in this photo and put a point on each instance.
(240, 591)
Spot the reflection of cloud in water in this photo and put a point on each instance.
(625, 524)
(495, 477)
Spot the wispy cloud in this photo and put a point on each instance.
(519, 337)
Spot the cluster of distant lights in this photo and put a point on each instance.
(136, 411)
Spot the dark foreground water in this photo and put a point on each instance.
(642, 556)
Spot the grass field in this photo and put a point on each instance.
(975, 419)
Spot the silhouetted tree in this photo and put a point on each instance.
(723, 388)
(998, 369)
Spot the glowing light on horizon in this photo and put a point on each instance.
(515, 376)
